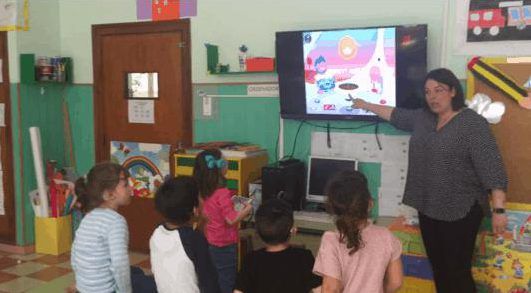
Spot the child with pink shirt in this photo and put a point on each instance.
(358, 256)
(221, 229)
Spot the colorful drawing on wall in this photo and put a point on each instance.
(165, 9)
(503, 263)
(499, 20)
(13, 16)
(148, 164)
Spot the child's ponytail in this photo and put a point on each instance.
(82, 193)
(349, 199)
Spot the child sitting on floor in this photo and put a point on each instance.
(278, 267)
(180, 259)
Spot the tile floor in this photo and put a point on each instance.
(40, 273)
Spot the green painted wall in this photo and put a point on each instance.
(44, 111)
(81, 111)
(41, 104)
(241, 119)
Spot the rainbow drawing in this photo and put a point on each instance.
(147, 163)
(141, 162)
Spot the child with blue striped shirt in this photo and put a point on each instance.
(100, 251)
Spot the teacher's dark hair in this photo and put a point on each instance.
(447, 77)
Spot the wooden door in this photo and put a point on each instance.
(118, 49)
(7, 219)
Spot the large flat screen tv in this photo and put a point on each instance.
(320, 72)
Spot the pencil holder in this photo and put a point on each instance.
(53, 235)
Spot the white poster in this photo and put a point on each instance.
(8, 13)
(141, 111)
(2, 114)
(393, 157)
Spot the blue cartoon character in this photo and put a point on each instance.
(518, 269)
(320, 65)
(498, 260)
(326, 85)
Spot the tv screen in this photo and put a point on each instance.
(320, 72)
(320, 170)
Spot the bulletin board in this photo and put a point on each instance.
(513, 133)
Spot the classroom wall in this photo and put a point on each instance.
(32, 107)
(254, 23)
(76, 29)
(42, 38)
(63, 27)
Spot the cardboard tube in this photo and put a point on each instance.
(35, 136)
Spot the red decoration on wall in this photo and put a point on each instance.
(165, 9)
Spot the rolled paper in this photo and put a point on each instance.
(36, 150)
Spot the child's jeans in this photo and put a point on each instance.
(225, 260)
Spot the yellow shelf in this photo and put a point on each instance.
(241, 171)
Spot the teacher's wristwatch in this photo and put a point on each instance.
(498, 210)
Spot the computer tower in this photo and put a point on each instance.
(285, 180)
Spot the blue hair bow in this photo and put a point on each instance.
(212, 162)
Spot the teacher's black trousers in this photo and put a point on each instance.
(450, 246)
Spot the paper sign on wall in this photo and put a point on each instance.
(393, 158)
(14, 15)
(2, 115)
(262, 90)
(141, 111)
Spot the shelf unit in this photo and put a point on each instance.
(213, 61)
(28, 75)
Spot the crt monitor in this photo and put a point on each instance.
(320, 170)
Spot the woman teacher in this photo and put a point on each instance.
(454, 165)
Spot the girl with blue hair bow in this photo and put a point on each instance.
(221, 229)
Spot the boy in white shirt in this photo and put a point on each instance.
(180, 259)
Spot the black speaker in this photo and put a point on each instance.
(285, 180)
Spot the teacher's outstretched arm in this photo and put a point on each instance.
(382, 111)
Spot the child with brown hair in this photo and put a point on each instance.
(99, 257)
(221, 228)
(359, 256)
